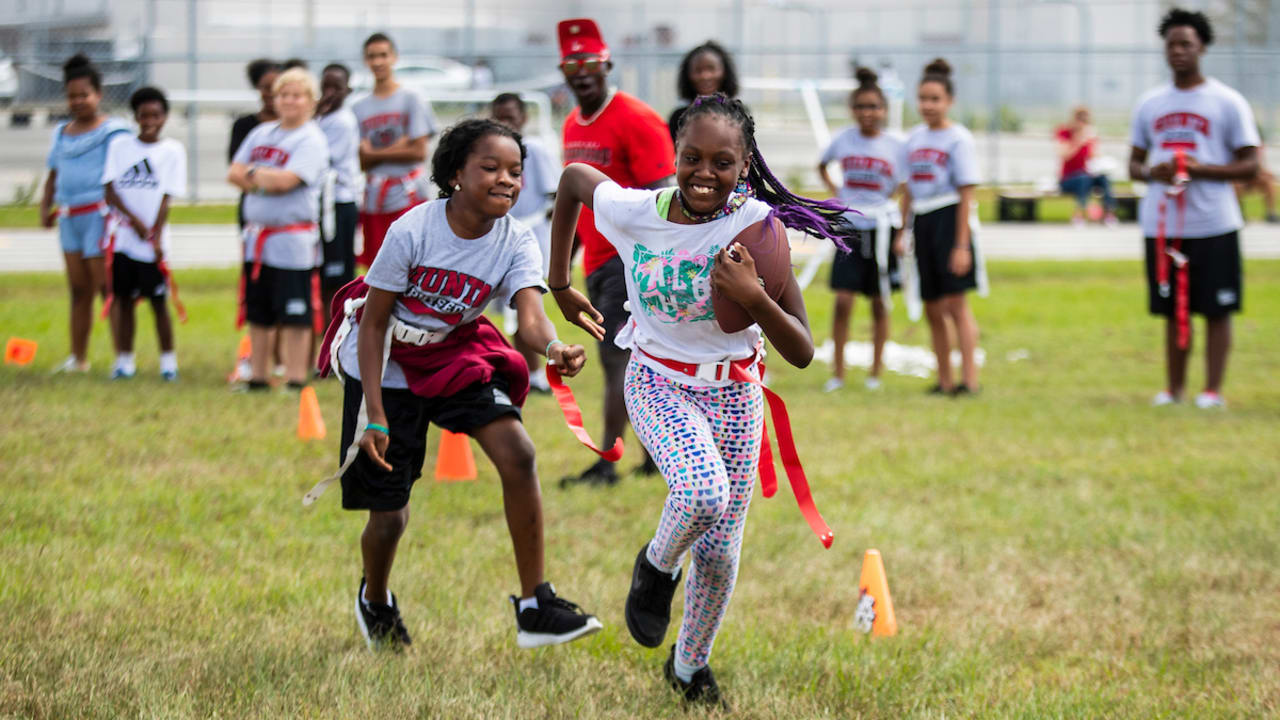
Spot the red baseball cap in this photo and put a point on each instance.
(581, 36)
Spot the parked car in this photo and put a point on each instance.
(8, 82)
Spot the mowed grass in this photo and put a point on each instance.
(1055, 547)
(1051, 209)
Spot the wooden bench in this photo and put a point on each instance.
(1023, 205)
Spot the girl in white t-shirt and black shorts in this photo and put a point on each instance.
(692, 390)
(942, 169)
(872, 168)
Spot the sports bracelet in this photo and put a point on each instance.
(553, 342)
(380, 428)
(566, 286)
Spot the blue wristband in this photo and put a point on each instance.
(547, 352)
(380, 428)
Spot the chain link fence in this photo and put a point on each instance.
(1019, 66)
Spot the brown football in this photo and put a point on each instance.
(767, 242)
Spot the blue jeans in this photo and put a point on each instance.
(1080, 184)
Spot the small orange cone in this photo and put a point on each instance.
(454, 461)
(875, 608)
(19, 351)
(310, 422)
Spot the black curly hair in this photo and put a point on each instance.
(728, 85)
(148, 94)
(80, 66)
(866, 83)
(456, 145)
(1197, 21)
(258, 68)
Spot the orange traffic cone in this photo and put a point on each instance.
(242, 371)
(310, 422)
(875, 608)
(454, 461)
(19, 351)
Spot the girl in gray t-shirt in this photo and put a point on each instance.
(442, 263)
(942, 172)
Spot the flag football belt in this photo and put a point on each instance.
(397, 331)
(260, 235)
(111, 224)
(405, 181)
(1170, 249)
(740, 371)
(884, 215)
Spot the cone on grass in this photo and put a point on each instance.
(19, 351)
(454, 461)
(875, 607)
(310, 421)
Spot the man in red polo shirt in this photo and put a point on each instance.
(627, 140)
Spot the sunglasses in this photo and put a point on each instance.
(572, 67)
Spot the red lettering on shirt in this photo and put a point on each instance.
(930, 155)
(382, 130)
(268, 155)
(443, 293)
(1184, 120)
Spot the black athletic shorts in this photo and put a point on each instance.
(339, 266)
(365, 486)
(858, 271)
(935, 235)
(607, 291)
(132, 279)
(279, 297)
(1214, 273)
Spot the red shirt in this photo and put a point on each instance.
(628, 141)
(1076, 163)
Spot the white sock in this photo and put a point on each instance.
(365, 600)
(685, 672)
(529, 602)
(169, 362)
(648, 554)
(539, 381)
(125, 361)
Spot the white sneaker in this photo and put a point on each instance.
(1162, 398)
(538, 382)
(872, 383)
(71, 365)
(832, 385)
(1209, 400)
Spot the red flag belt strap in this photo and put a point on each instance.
(1170, 250)
(573, 416)
(109, 253)
(259, 242)
(739, 371)
(404, 180)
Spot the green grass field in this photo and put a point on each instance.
(1055, 547)
(1055, 209)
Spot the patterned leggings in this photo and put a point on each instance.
(706, 442)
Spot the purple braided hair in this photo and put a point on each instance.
(819, 218)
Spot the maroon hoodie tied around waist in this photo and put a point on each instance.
(473, 353)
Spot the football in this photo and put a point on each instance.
(767, 242)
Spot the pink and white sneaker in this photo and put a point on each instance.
(1208, 400)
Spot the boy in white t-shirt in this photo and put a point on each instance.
(1190, 216)
(140, 176)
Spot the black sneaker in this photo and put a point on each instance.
(701, 688)
(380, 624)
(648, 468)
(963, 390)
(936, 389)
(554, 621)
(649, 601)
(601, 473)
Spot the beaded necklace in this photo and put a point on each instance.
(737, 199)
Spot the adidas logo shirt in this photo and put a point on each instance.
(142, 174)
